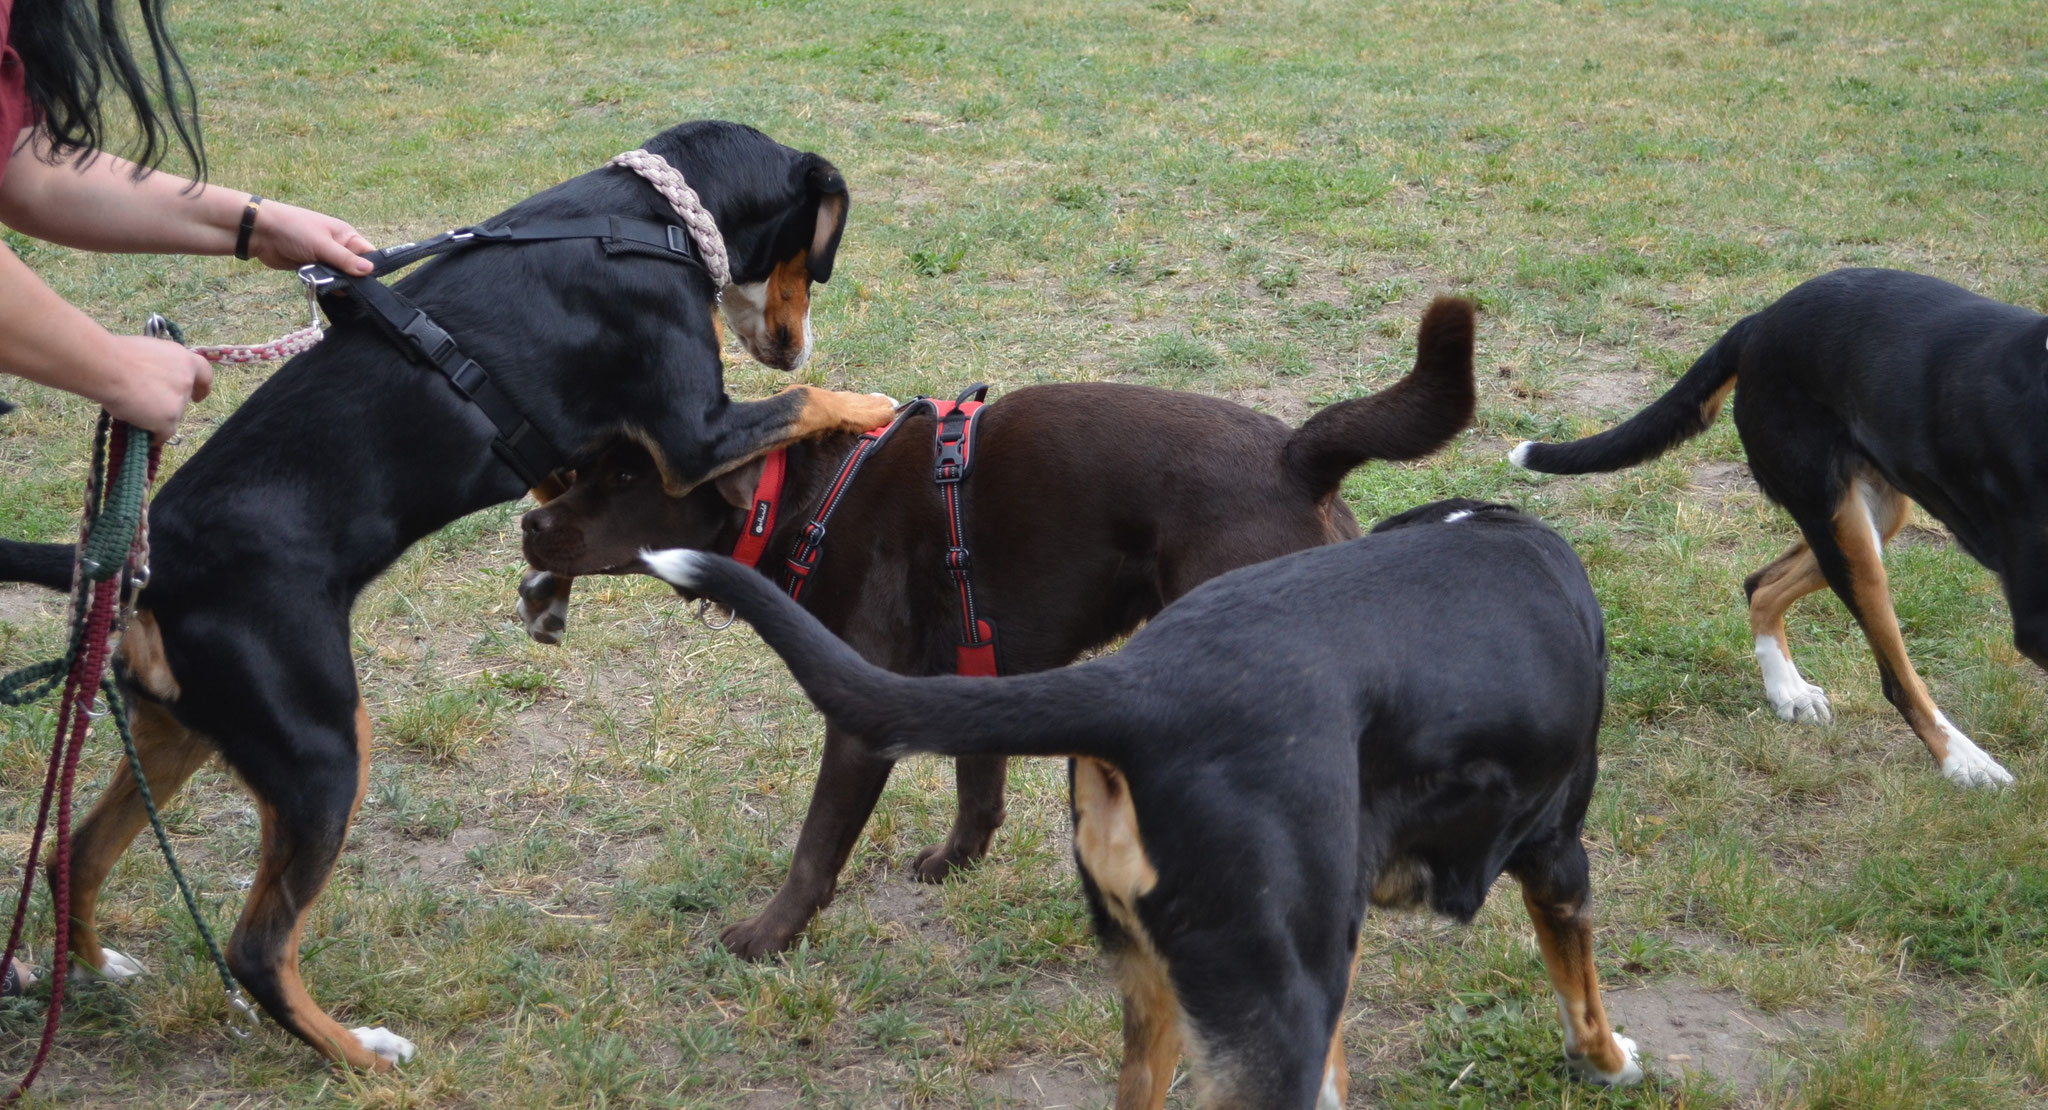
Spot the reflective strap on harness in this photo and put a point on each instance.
(957, 419)
(954, 461)
(803, 559)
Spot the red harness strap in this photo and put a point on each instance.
(761, 518)
(958, 420)
(957, 425)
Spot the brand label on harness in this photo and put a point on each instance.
(760, 524)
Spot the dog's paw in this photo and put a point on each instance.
(542, 609)
(940, 862)
(1630, 1072)
(1804, 703)
(754, 938)
(115, 967)
(1968, 765)
(393, 1048)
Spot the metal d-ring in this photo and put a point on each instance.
(704, 608)
(243, 1020)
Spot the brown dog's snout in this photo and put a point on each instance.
(550, 542)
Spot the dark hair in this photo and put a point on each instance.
(73, 50)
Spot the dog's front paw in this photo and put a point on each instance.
(543, 607)
(940, 862)
(115, 967)
(1629, 1072)
(755, 938)
(1968, 765)
(393, 1048)
(1804, 703)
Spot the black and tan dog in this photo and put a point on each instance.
(1858, 391)
(351, 453)
(1398, 719)
(1090, 506)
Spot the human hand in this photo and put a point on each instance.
(147, 382)
(286, 237)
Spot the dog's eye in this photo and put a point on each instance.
(623, 478)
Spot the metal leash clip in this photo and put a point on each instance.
(703, 615)
(243, 1020)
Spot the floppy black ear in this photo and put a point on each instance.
(829, 188)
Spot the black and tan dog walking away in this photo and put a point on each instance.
(1397, 719)
(355, 450)
(1088, 507)
(1854, 393)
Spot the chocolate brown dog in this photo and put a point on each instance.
(1091, 506)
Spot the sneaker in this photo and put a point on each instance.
(19, 979)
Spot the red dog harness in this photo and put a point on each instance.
(958, 420)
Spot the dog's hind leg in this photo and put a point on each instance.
(1558, 894)
(1771, 591)
(306, 805)
(850, 781)
(1152, 1032)
(1850, 551)
(980, 780)
(170, 753)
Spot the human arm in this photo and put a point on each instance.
(43, 338)
(102, 207)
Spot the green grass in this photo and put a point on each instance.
(1255, 200)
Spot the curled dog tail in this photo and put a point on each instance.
(1073, 711)
(1685, 410)
(1407, 420)
(38, 564)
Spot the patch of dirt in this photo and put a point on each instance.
(26, 604)
(1616, 384)
(1063, 1086)
(1717, 483)
(440, 861)
(1681, 1027)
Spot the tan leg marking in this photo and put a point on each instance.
(826, 410)
(142, 650)
(1773, 589)
(1336, 1076)
(1711, 408)
(170, 754)
(274, 908)
(1857, 531)
(1111, 851)
(1567, 943)
(1152, 1030)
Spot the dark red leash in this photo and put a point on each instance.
(81, 685)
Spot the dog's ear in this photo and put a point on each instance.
(824, 183)
(737, 486)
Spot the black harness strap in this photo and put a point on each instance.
(519, 443)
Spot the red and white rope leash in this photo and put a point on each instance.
(284, 346)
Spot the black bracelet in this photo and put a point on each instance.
(248, 227)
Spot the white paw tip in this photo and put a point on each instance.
(392, 1047)
(1631, 1070)
(677, 566)
(1520, 455)
(1971, 767)
(115, 967)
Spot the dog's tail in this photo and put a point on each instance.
(38, 564)
(1686, 409)
(1407, 420)
(1074, 711)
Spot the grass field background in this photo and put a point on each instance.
(1248, 199)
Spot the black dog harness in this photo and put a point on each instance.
(519, 443)
(958, 420)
